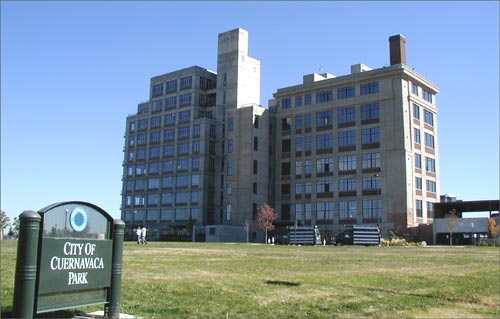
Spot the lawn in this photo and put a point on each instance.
(217, 280)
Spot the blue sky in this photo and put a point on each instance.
(72, 71)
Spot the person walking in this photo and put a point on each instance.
(138, 233)
(143, 235)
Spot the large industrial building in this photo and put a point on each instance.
(201, 155)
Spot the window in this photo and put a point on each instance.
(324, 210)
(213, 131)
(155, 137)
(255, 143)
(183, 164)
(254, 188)
(308, 188)
(256, 170)
(368, 88)
(157, 105)
(324, 186)
(195, 180)
(185, 99)
(298, 212)
(416, 132)
(256, 121)
(230, 145)
(196, 129)
(308, 211)
(170, 119)
(185, 116)
(346, 115)
(298, 188)
(345, 92)
(171, 86)
(431, 186)
(370, 111)
(298, 122)
(298, 168)
(324, 165)
(131, 126)
(371, 208)
(142, 124)
(428, 117)
(430, 164)
(429, 140)
(324, 96)
(307, 121)
(186, 82)
(298, 101)
(414, 88)
(370, 135)
(348, 209)
(308, 99)
(347, 163)
(167, 166)
(157, 89)
(372, 182)
(430, 210)
(285, 146)
(181, 198)
(183, 131)
(416, 111)
(155, 121)
(307, 143)
(370, 160)
(169, 134)
(285, 189)
(308, 167)
(139, 185)
(230, 124)
(140, 154)
(418, 183)
(229, 189)
(195, 163)
(140, 169)
(183, 148)
(347, 138)
(286, 103)
(348, 185)
(171, 102)
(418, 208)
(324, 141)
(154, 167)
(286, 124)
(182, 181)
(427, 96)
(298, 144)
(285, 168)
(324, 118)
(418, 161)
(142, 139)
(229, 169)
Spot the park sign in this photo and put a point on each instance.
(69, 255)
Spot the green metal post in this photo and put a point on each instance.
(27, 252)
(113, 308)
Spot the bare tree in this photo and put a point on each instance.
(265, 218)
(451, 220)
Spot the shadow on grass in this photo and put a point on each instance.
(53, 315)
(282, 283)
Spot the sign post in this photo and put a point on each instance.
(72, 256)
(27, 245)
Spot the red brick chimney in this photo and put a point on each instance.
(397, 48)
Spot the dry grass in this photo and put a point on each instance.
(186, 280)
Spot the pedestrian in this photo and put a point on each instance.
(138, 232)
(143, 235)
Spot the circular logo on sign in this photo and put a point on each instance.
(78, 219)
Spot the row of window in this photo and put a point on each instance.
(171, 86)
(156, 121)
(183, 132)
(325, 141)
(167, 166)
(325, 165)
(426, 95)
(153, 183)
(345, 115)
(327, 96)
(155, 199)
(168, 214)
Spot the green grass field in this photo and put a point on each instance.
(205, 280)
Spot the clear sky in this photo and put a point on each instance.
(72, 71)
